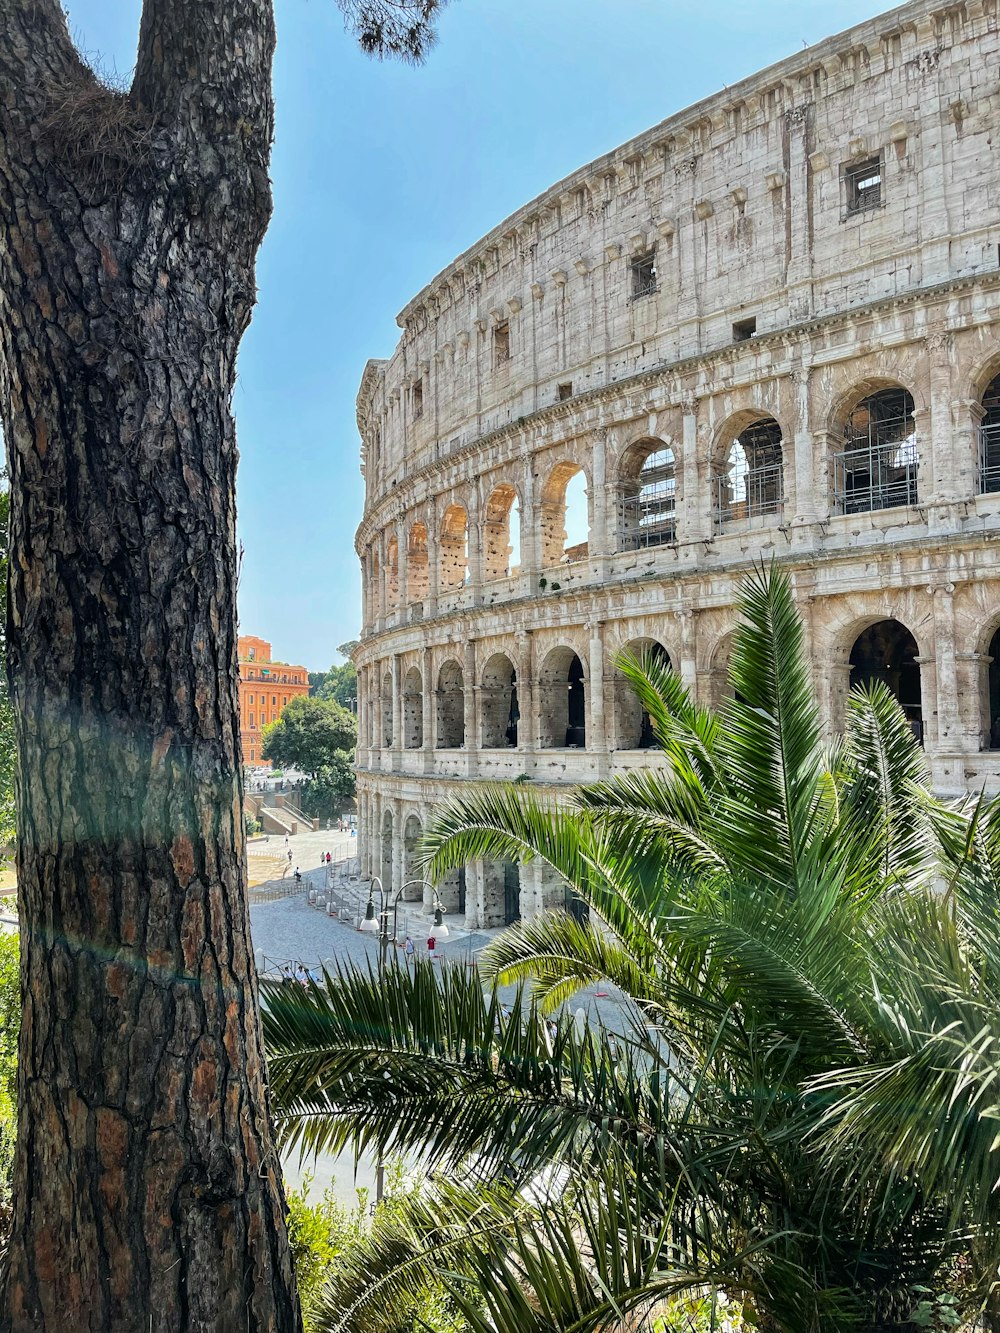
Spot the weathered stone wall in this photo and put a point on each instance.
(745, 204)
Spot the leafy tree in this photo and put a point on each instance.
(309, 735)
(802, 1112)
(145, 1188)
(340, 683)
(326, 794)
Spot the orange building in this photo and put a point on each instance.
(265, 688)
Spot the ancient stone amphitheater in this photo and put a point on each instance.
(767, 327)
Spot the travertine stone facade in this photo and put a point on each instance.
(767, 327)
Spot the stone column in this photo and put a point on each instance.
(694, 520)
(686, 239)
(397, 712)
(398, 868)
(470, 700)
(402, 542)
(949, 740)
(433, 563)
(529, 534)
(383, 581)
(966, 418)
(599, 545)
(374, 835)
(797, 207)
(526, 732)
(428, 703)
(937, 485)
(475, 531)
(801, 504)
(597, 739)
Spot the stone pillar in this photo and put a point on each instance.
(471, 699)
(397, 711)
(597, 739)
(433, 564)
(797, 210)
(428, 704)
(402, 543)
(475, 531)
(599, 544)
(694, 520)
(688, 664)
(949, 740)
(383, 581)
(526, 729)
(529, 533)
(686, 239)
(937, 484)
(398, 867)
(374, 835)
(801, 505)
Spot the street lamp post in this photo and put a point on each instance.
(379, 925)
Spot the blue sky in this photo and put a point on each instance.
(382, 175)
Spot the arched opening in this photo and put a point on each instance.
(392, 572)
(385, 861)
(993, 678)
(720, 686)
(454, 554)
(647, 497)
(450, 707)
(411, 871)
(877, 467)
(989, 442)
(417, 566)
(413, 710)
(502, 534)
(498, 699)
(563, 703)
(887, 651)
(564, 516)
(749, 485)
(387, 710)
(511, 893)
(634, 729)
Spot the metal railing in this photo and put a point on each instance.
(644, 523)
(989, 458)
(876, 476)
(751, 496)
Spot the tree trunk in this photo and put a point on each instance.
(147, 1190)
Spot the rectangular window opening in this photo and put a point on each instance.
(744, 329)
(418, 399)
(864, 185)
(564, 392)
(501, 344)
(643, 270)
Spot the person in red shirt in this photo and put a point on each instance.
(431, 946)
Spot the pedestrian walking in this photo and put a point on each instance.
(409, 950)
(289, 854)
(328, 858)
(298, 875)
(431, 946)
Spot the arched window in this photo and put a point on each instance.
(502, 534)
(887, 651)
(993, 678)
(877, 468)
(750, 485)
(498, 700)
(413, 710)
(450, 707)
(454, 557)
(387, 710)
(989, 439)
(635, 731)
(647, 497)
(564, 516)
(417, 569)
(562, 695)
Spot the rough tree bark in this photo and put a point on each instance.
(147, 1191)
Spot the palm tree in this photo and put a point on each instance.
(755, 900)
